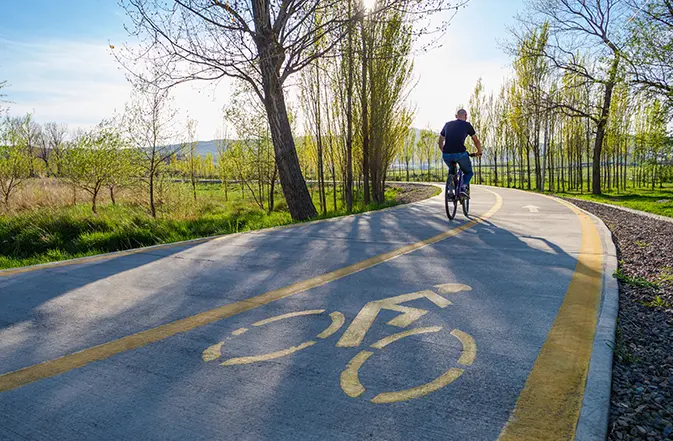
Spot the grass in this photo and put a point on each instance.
(657, 201)
(48, 234)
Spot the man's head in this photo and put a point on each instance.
(461, 114)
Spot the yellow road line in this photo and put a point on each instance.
(50, 368)
(549, 405)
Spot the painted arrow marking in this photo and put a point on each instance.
(532, 208)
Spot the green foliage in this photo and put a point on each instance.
(657, 302)
(97, 159)
(638, 282)
(15, 161)
(619, 348)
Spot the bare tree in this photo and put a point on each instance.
(3, 84)
(149, 121)
(53, 139)
(262, 42)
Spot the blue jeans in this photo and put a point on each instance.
(463, 160)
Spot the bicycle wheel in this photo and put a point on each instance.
(466, 204)
(450, 202)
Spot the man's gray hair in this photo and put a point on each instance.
(461, 112)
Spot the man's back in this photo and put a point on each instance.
(454, 133)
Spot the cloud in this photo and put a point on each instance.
(80, 83)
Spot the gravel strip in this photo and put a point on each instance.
(641, 405)
(413, 192)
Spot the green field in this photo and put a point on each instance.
(657, 201)
(53, 233)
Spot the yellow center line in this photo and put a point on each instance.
(549, 405)
(57, 366)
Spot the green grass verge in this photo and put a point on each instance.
(657, 201)
(54, 234)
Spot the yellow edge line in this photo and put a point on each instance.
(549, 405)
(50, 368)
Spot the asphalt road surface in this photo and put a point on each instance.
(391, 325)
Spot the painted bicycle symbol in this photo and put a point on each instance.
(355, 334)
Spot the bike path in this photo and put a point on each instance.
(518, 265)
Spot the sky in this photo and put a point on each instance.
(57, 61)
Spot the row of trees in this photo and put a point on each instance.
(588, 103)
(588, 94)
(341, 47)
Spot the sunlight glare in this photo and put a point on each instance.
(369, 4)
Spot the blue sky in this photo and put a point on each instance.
(57, 62)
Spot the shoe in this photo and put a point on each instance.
(464, 192)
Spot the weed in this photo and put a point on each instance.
(638, 282)
(657, 302)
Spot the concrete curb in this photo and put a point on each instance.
(629, 210)
(106, 256)
(594, 416)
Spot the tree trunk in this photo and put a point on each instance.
(602, 123)
(271, 57)
(153, 210)
(94, 196)
(272, 189)
(112, 195)
(365, 117)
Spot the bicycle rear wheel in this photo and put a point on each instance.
(450, 202)
(466, 204)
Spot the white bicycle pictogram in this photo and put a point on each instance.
(355, 334)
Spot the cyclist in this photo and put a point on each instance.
(452, 143)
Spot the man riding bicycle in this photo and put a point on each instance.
(452, 143)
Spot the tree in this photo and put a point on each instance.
(190, 146)
(596, 28)
(252, 154)
(149, 121)
(3, 84)
(14, 161)
(94, 160)
(262, 42)
(650, 48)
(426, 146)
(53, 138)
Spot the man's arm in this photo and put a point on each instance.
(440, 142)
(477, 144)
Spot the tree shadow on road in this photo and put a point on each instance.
(166, 391)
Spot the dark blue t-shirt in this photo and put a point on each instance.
(454, 133)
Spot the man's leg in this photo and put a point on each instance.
(466, 167)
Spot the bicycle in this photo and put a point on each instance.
(451, 200)
(355, 334)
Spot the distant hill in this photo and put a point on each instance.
(205, 147)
